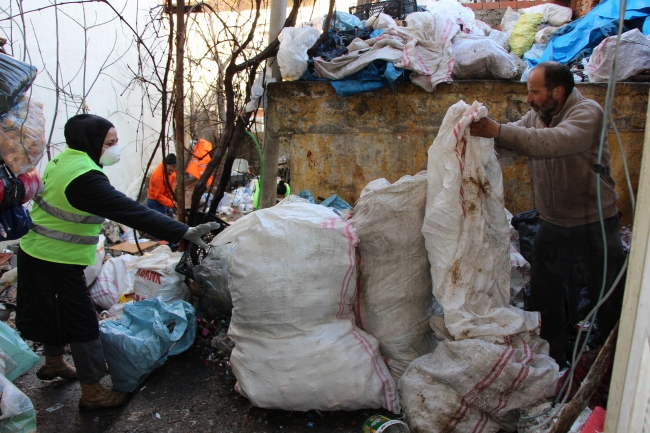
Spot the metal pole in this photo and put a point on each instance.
(278, 17)
(179, 112)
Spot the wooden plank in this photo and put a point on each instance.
(634, 317)
(131, 248)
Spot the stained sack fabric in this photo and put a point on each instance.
(394, 301)
(491, 362)
(291, 277)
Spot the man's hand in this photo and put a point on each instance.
(485, 127)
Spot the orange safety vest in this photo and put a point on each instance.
(200, 159)
(158, 190)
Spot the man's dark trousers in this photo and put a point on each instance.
(550, 276)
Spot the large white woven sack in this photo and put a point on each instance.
(467, 234)
(291, 277)
(113, 280)
(634, 57)
(491, 363)
(394, 299)
(475, 385)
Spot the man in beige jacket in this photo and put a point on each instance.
(561, 137)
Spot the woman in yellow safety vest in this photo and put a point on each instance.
(54, 305)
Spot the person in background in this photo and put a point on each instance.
(200, 159)
(561, 135)
(161, 186)
(53, 304)
(283, 191)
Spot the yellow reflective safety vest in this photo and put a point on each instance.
(61, 233)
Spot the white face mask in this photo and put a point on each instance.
(110, 156)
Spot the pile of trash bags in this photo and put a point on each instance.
(406, 302)
(434, 46)
(22, 145)
(446, 42)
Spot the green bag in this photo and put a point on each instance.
(523, 34)
(15, 348)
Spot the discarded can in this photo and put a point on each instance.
(382, 424)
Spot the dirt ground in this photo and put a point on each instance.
(186, 394)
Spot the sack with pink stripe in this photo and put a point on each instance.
(292, 279)
(491, 360)
(394, 300)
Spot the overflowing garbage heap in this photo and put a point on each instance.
(445, 42)
(407, 303)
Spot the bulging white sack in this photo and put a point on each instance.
(113, 280)
(155, 275)
(467, 234)
(92, 272)
(292, 55)
(633, 57)
(481, 57)
(394, 301)
(475, 385)
(291, 276)
(554, 15)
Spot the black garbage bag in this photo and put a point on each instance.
(15, 79)
(527, 224)
(336, 44)
(12, 190)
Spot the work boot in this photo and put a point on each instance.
(55, 366)
(94, 396)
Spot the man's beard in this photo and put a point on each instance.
(544, 111)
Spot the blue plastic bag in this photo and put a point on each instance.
(148, 333)
(15, 348)
(14, 222)
(336, 202)
(578, 38)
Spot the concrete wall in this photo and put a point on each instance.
(338, 145)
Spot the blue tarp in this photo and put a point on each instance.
(376, 75)
(578, 38)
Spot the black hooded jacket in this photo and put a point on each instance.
(93, 193)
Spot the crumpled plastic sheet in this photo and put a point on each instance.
(147, 334)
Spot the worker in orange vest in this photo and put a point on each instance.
(160, 197)
(200, 159)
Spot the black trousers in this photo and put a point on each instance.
(550, 274)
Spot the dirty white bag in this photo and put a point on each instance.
(113, 280)
(467, 234)
(475, 385)
(633, 57)
(292, 55)
(291, 276)
(374, 185)
(491, 363)
(509, 20)
(394, 300)
(155, 275)
(544, 36)
(554, 15)
(480, 57)
(500, 38)
(92, 272)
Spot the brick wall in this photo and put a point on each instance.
(582, 7)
